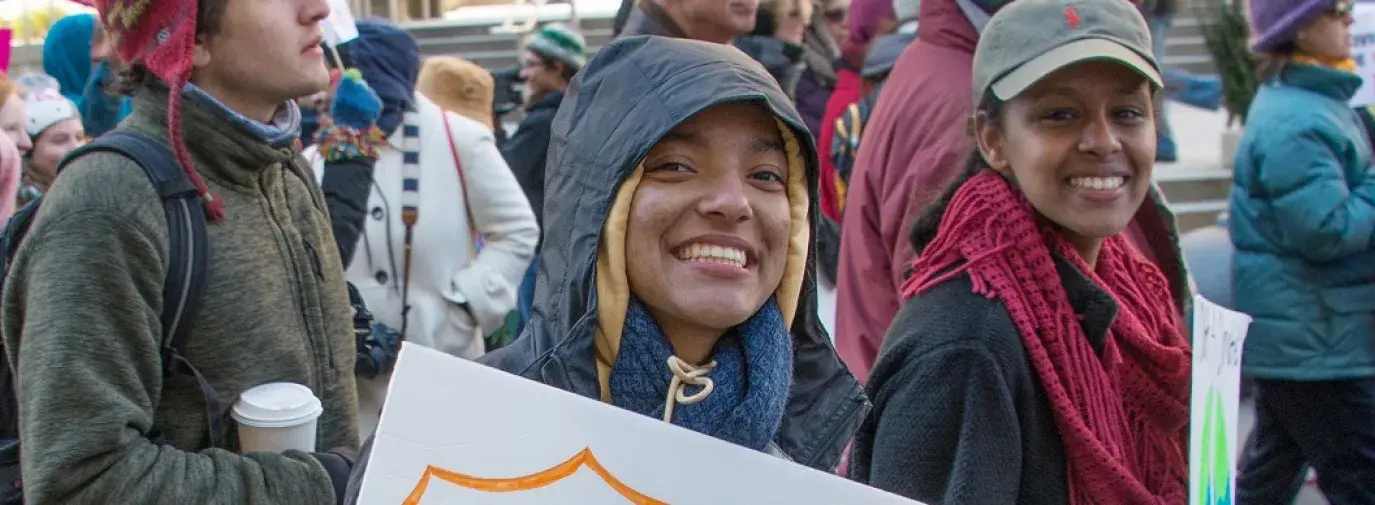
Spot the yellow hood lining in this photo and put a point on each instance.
(613, 287)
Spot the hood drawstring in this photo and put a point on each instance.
(685, 375)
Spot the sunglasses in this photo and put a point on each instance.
(835, 15)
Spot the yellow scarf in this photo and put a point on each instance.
(1347, 65)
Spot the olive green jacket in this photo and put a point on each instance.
(81, 322)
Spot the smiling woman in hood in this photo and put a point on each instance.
(676, 277)
(678, 228)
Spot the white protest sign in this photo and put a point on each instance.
(456, 432)
(1218, 337)
(1363, 50)
(339, 27)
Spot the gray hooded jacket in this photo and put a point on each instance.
(607, 123)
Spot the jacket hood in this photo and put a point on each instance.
(67, 53)
(389, 59)
(886, 50)
(944, 24)
(629, 96)
(864, 20)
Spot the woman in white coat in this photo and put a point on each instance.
(444, 171)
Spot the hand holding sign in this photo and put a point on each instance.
(339, 26)
(454, 431)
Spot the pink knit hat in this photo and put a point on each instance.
(160, 35)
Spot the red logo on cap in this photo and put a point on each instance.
(1072, 17)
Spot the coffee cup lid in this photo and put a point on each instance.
(276, 405)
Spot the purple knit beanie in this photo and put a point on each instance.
(1274, 22)
(864, 18)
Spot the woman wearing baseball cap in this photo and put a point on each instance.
(1302, 219)
(1037, 358)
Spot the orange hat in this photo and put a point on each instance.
(458, 86)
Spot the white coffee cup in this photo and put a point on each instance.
(277, 416)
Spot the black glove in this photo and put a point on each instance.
(378, 356)
(338, 464)
(377, 344)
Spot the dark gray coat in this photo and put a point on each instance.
(960, 416)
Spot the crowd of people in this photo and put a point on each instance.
(202, 197)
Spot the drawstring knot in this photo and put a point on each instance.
(685, 375)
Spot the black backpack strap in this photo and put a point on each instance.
(188, 254)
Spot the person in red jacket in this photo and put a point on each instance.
(910, 153)
(867, 20)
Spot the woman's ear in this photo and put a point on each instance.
(990, 140)
(1302, 37)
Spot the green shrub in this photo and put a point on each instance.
(1226, 32)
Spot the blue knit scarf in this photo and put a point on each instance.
(753, 375)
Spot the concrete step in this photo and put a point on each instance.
(1199, 186)
(1196, 195)
(1192, 216)
(1185, 47)
(461, 45)
(485, 45)
(465, 45)
(457, 24)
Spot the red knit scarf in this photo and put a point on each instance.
(1123, 417)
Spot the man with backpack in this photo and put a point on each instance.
(183, 259)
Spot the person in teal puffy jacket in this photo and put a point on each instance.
(1302, 220)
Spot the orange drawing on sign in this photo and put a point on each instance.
(529, 482)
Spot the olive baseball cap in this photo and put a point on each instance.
(1030, 39)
